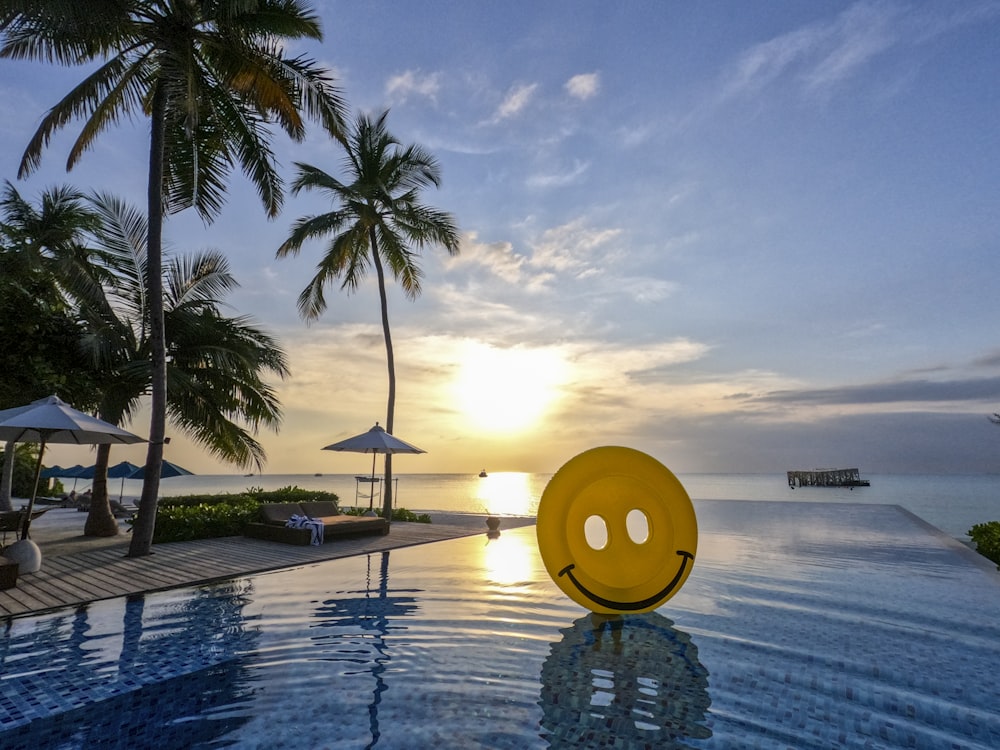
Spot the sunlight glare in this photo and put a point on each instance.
(507, 560)
(507, 390)
(506, 493)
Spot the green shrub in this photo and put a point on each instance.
(178, 523)
(209, 516)
(284, 495)
(25, 460)
(190, 501)
(292, 495)
(398, 514)
(987, 539)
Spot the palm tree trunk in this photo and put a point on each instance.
(100, 520)
(7, 476)
(391, 363)
(142, 532)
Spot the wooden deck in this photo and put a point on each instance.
(106, 573)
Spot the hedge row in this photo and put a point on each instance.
(209, 516)
(188, 517)
(987, 539)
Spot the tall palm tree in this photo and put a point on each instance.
(210, 75)
(216, 388)
(377, 220)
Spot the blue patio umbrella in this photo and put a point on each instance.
(73, 472)
(167, 470)
(52, 471)
(121, 471)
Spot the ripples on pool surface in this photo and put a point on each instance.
(801, 626)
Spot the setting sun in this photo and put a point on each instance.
(507, 390)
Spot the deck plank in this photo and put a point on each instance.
(92, 575)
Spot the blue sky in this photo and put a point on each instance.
(738, 236)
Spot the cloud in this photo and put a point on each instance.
(988, 360)
(516, 100)
(543, 181)
(905, 442)
(646, 290)
(411, 82)
(904, 391)
(499, 258)
(583, 86)
(572, 247)
(819, 57)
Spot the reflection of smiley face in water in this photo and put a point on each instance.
(616, 531)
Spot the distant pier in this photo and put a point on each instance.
(827, 478)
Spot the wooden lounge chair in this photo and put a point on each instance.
(274, 517)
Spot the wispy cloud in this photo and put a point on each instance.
(583, 86)
(574, 250)
(903, 391)
(402, 86)
(558, 179)
(499, 258)
(515, 101)
(819, 57)
(573, 247)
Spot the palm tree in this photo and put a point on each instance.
(216, 391)
(376, 219)
(41, 244)
(210, 75)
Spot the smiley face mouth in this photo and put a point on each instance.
(630, 606)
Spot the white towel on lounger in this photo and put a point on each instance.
(305, 522)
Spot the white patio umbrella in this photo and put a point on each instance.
(51, 420)
(375, 441)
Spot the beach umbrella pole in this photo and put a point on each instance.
(34, 492)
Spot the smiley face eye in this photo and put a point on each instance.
(595, 531)
(637, 525)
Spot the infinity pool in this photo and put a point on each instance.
(802, 626)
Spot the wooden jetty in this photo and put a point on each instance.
(827, 478)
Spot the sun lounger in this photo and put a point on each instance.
(13, 520)
(274, 518)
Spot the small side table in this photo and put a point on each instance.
(8, 573)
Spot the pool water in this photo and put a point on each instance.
(802, 626)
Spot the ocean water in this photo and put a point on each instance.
(953, 503)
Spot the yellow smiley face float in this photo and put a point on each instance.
(616, 531)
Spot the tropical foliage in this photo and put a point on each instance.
(210, 516)
(39, 338)
(216, 388)
(210, 77)
(25, 460)
(987, 539)
(377, 221)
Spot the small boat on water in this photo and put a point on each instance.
(483, 473)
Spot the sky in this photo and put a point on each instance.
(740, 237)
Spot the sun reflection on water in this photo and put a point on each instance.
(508, 493)
(507, 560)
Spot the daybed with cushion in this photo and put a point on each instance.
(274, 518)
